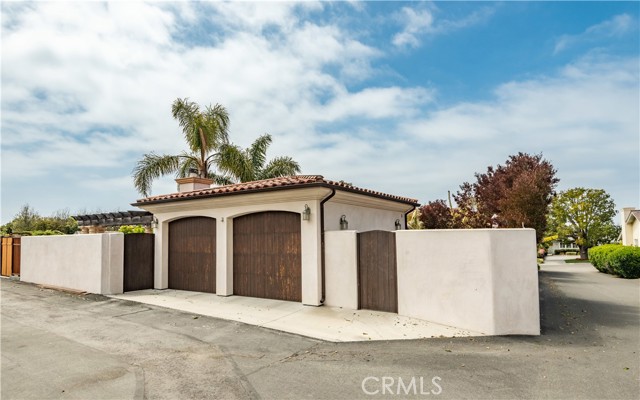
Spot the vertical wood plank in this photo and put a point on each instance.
(4, 256)
(7, 256)
(16, 254)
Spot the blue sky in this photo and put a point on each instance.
(407, 98)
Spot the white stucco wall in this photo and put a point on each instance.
(341, 269)
(484, 280)
(360, 218)
(91, 263)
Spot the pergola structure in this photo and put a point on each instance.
(115, 219)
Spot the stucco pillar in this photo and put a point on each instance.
(161, 257)
(311, 258)
(224, 256)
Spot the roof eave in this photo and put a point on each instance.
(269, 189)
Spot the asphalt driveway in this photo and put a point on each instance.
(59, 345)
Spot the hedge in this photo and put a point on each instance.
(626, 262)
(616, 259)
(599, 256)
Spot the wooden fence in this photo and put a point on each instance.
(10, 256)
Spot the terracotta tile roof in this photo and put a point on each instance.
(286, 182)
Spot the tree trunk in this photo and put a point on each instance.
(583, 253)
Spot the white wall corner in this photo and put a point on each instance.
(311, 244)
(341, 269)
(516, 303)
(112, 263)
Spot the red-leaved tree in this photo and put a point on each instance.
(436, 215)
(513, 195)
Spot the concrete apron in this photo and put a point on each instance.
(333, 324)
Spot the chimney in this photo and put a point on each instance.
(193, 182)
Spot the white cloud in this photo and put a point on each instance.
(416, 22)
(88, 86)
(87, 89)
(421, 21)
(617, 26)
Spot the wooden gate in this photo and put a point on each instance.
(138, 261)
(192, 254)
(377, 271)
(267, 260)
(10, 256)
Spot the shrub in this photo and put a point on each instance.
(625, 261)
(599, 256)
(126, 229)
(47, 232)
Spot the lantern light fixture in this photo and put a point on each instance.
(344, 224)
(306, 214)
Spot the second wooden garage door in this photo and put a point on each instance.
(267, 259)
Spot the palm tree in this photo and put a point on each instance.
(205, 132)
(250, 164)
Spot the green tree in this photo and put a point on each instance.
(25, 220)
(204, 131)
(245, 165)
(584, 216)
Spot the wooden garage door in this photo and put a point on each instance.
(192, 254)
(377, 276)
(267, 259)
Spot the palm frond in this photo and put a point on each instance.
(153, 166)
(188, 115)
(203, 131)
(219, 119)
(280, 166)
(258, 151)
(220, 179)
(187, 162)
(232, 160)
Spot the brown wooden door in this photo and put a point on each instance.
(15, 269)
(138, 261)
(377, 271)
(7, 256)
(267, 259)
(192, 254)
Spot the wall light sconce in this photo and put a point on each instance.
(344, 224)
(398, 225)
(306, 214)
(154, 223)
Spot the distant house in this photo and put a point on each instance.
(562, 246)
(630, 226)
